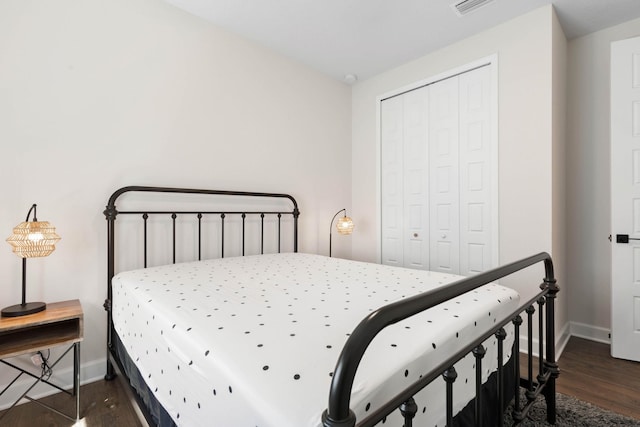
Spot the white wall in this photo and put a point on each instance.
(96, 95)
(559, 164)
(588, 171)
(526, 136)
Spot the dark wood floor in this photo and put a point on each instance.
(587, 371)
(102, 404)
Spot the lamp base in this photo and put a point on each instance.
(23, 309)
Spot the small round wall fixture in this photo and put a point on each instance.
(350, 79)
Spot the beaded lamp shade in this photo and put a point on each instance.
(345, 225)
(30, 239)
(33, 239)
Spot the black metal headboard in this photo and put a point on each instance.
(111, 213)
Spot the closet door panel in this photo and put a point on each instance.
(392, 175)
(444, 176)
(475, 159)
(416, 179)
(438, 167)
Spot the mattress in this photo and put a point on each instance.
(253, 341)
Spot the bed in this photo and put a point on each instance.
(274, 337)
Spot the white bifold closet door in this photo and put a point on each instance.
(436, 168)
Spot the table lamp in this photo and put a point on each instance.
(344, 226)
(30, 239)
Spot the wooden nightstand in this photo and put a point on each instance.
(60, 324)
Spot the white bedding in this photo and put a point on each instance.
(252, 341)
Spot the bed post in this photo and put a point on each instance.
(110, 214)
(296, 214)
(550, 364)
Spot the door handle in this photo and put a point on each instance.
(624, 238)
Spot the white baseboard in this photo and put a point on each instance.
(89, 372)
(562, 338)
(571, 329)
(593, 333)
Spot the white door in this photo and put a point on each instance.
(444, 173)
(438, 169)
(416, 180)
(405, 185)
(625, 199)
(476, 159)
(391, 167)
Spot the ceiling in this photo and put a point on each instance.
(367, 37)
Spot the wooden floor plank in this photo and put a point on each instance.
(588, 372)
(102, 404)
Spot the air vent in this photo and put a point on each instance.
(467, 6)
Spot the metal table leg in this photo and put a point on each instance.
(40, 379)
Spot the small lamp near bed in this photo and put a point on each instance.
(30, 239)
(344, 226)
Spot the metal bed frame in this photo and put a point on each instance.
(338, 412)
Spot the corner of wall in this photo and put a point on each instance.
(559, 147)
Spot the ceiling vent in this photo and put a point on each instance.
(467, 6)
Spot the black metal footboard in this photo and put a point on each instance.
(111, 213)
(339, 414)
